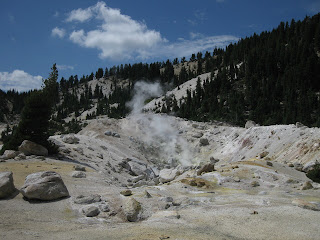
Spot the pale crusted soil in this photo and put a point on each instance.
(214, 213)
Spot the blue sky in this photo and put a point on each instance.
(83, 35)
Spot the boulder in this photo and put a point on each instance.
(31, 148)
(6, 184)
(79, 168)
(108, 133)
(131, 209)
(197, 135)
(90, 211)
(44, 186)
(10, 154)
(205, 168)
(82, 199)
(137, 168)
(78, 174)
(307, 185)
(167, 175)
(204, 142)
(250, 124)
(70, 139)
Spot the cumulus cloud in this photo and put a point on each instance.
(118, 37)
(19, 80)
(58, 32)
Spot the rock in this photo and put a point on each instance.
(9, 154)
(116, 135)
(236, 179)
(31, 148)
(269, 163)
(300, 125)
(255, 184)
(250, 124)
(147, 194)
(204, 142)
(213, 160)
(298, 167)
(307, 185)
(137, 168)
(104, 208)
(44, 186)
(163, 215)
(264, 154)
(70, 139)
(310, 166)
(91, 211)
(108, 133)
(197, 135)
(167, 175)
(131, 209)
(79, 168)
(205, 168)
(82, 199)
(126, 192)
(21, 156)
(138, 178)
(78, 174)
(306, 205)
(7, 187)
(290, 165)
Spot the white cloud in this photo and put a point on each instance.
(58, 32)
(119, 36)
(64, 67)
(185, 48)
(81, 15)
(19, 80)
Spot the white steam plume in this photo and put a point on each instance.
(160, 132)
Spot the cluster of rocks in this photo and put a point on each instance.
(112, 134)
(45, 186)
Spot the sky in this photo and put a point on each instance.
(81, 36)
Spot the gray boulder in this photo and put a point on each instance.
(79, 168)
(6, 184)
(78, 174)
(108, 133)
(31, 148)
(197, 135)
(82, 199)
(91, 211)
(168, 175)
(250, 124)
(44, 186)
(10, 154)
(137, 168)
(70, 139)
(204, 142)
(131, 209)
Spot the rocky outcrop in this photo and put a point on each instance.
(31, 148)
(168, 175)
(131, 209)
(6, 184)
(44, 186)
(70, 139)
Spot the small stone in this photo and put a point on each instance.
(78, 174)
(91, 211)
(108, 133)
(254, 212)
(79, 168)
(82, 199)
(204, 142)
(255, 184)
(169, 199)
(290, 165)
(104, 208)
(147, 194)
(126, 192)
(236, 179)
(269, 163)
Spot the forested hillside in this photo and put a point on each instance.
(271, 78)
